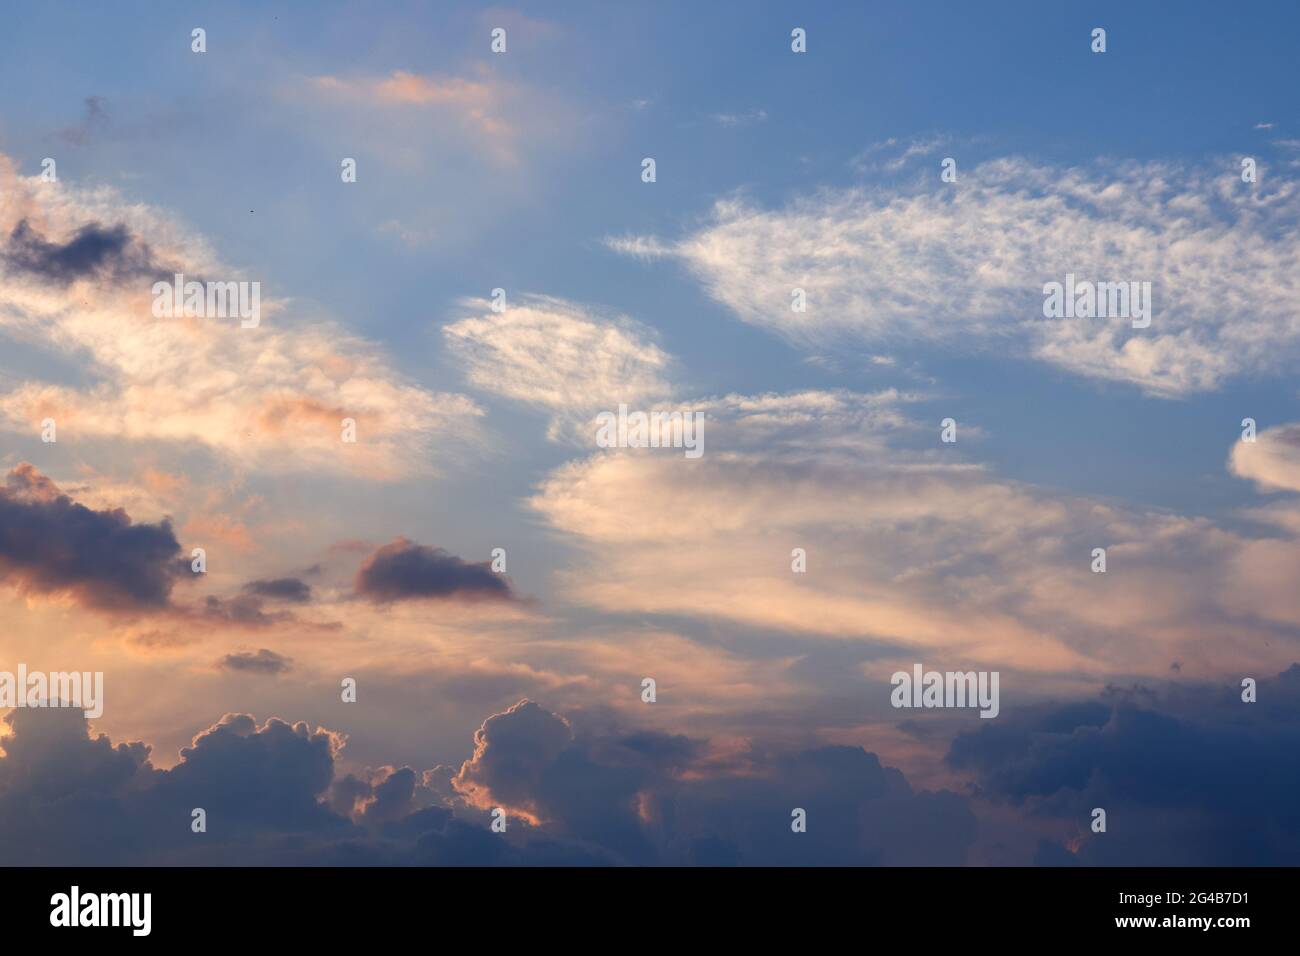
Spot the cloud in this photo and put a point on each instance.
(271, 398)
(93, 252)
(908, 547)
(963, 266)
(280, 589)
(480, 108)
(875, 157)
(632, 794)
(262, 662)
(49, 544)
(559, 356)
(272, 795)
(403, 570)
(69, 797)
(511, 751)
(733, 120)
(1178, 771)
(1272, 461)
(243, 611)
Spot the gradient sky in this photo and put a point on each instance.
(774, 170)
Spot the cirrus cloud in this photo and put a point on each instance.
(964, 265)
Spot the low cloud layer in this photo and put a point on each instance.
(271, 793)
(1179, 772)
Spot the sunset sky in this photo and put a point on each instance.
(475, 430)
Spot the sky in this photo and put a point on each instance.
(460, 251)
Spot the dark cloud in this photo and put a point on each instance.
(280, 589)
(626, 794)
(104, 252)
(858, 812)
(67, 797)
(250, 778)
(48, 543)
(271, 797)
(262, 662)
(1189, 775)
(403, 569)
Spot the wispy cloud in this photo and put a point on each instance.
(747, 118)
(560, 356)
(963, 265)
(273, 397)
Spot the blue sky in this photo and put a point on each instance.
(199, 136)
(523, 171)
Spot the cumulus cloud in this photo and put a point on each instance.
(560, 357)
(1179, 771)
(73, 798)
(272, 794)
(272, 397)
(963, 265)
(642, 796)
(403, 570)
(50, 544)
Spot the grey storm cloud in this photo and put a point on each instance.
(622, 792)
(108, 252)
(402, 570)
(49, 543)
(592, 793)
(263, 661)
(271, 796)
(1188, 775)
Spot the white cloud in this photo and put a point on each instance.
(963, 266)
(271, 397)
(892, 155)
(748, 118)
(920, 549)
(559, 356)
(1272, 460)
